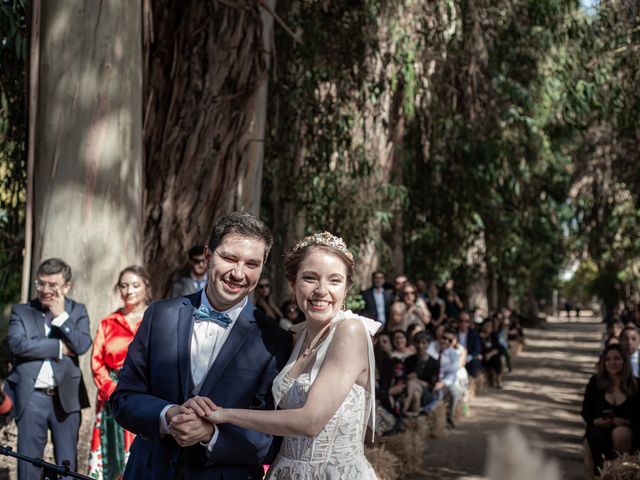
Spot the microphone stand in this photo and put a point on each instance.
(50, 471)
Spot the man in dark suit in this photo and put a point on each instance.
(194, 276)
(377, 300)
(213, 343)
(469, 339)
(45, 338)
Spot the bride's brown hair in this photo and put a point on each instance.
(319, 241)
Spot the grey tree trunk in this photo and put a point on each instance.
(87, 198)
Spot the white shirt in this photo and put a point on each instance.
(378, 298)
(207, 339)
(635, 368)
(45, 378)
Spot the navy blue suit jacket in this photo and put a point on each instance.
(29, 346)
(157, 373)
(370, 310)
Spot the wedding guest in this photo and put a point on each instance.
(377, 300)
(45, 338)
(452, 303)
(408, 310)
(194, 276)
(264, 301)
(611, 407)
(291, 315)
(110, 443)
(491, 353)
(630, 342)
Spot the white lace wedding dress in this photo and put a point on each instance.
(337, 452)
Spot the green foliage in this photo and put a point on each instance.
(13, 127)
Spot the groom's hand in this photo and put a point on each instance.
(188, 428)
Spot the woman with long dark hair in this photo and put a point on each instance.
(611, 406)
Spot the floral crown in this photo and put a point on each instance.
(326, 239)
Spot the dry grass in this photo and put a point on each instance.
(625, 467)
(385, 463)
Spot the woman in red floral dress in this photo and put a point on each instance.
(110, 443)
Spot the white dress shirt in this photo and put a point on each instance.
(207, 339)
(378, 298)
(45, 378)
(635, 368)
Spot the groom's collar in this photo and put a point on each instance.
(233, 312)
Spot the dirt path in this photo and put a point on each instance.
(542, 397)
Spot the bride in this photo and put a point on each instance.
(324, 395)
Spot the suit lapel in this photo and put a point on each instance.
(239, 334)
(185, 330)
(38, 318)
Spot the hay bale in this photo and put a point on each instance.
(438, 421)
(385, 463)
(625, 467)
(409, 448)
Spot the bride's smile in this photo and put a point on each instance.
(321, 286)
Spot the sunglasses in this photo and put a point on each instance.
(264, 285)
(410, 292)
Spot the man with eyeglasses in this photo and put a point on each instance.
(195, 276)
(45, 338)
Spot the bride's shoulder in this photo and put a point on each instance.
(352, 326)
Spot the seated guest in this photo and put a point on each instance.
(392, 383)
(501, 327)
(382, 348)
(422, 368)
(490, 347)
(264, 301)
(413, 330)
(630, 341)
(377, 300)
(110, 443)
(402, 348)
(469, 339)
(448, 366)
(194, 276)
(611, 407)
(408, 310)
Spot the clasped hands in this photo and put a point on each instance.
(193, 421)
(611, 422)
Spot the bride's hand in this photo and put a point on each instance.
(216, 417)
(201, 406)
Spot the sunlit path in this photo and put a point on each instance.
(542, 396)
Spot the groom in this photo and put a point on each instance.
(213, 343)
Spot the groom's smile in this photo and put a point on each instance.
(234, 270)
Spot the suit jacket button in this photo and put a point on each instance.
(172, 465)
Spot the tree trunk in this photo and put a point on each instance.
(88, 150)
(206, 84)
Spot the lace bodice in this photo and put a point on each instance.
(337, 452)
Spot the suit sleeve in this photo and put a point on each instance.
(20, 345)
(75, 331)
(101, 376)
(134, 408)
(242, 446)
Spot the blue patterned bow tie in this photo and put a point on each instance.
(205, 313)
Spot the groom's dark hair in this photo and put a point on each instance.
(241, 223)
